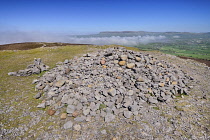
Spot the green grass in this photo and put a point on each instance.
(200, 51)
(102, 106)
(187, 51)
(156, 108)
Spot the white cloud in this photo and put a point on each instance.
(18, 36)
(130, 41)
(176, 36)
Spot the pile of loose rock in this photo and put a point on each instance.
(35, 68)
(110, 82)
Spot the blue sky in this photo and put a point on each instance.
(91, 16)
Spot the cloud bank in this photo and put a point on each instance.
(7, 37)
(127, 41)
(176, 36)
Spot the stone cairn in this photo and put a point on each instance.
(110, 82)
(35, 68)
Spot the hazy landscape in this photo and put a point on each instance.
(195, 45)
(185, 44)
(104, 70)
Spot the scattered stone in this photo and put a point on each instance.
(77, 127)
(130, 92)
(35, 68)
(109, 117)
(122, 63)
(51, 112)
(104, 66)
(12, 73)
(130, 65)
(110, 83)
(127, 114)
(140, 79)
(161, 84)
(70, 109)
(174, 83)
(88, 118)
(35, 81)
(42, 105)
(60, 83)
(66, 61)
(75, 113)
(67, 71)
(86, 111)
(80, 119)
(37, 96)
(63, 116)
(167, 79)
(112, 91)
(124, 57)
(68, 125)
(116, 61)
(152, 100)
(103, 62)
(138, 59)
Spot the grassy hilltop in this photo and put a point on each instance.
(19, 91)
(18, 109)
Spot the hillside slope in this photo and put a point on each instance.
(185, 117)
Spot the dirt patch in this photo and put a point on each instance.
(32, 45)
(207, 62)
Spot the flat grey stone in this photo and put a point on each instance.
(37, 96)
(83, 99)
(127, 101)
(60, 83)
(130, 92)
(77, 127)
(152, 100)
(68, 125)
(12, 73)
(124, 57)
(42, 105)
(88, 118)
(127, 114)
(79, 106)
(109, 118)
(103, 114)
(80, 118)
(86, 111)
(112, 92)
(70, 109)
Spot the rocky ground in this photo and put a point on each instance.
(151, 108)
